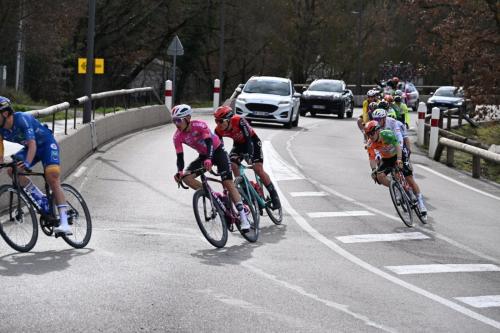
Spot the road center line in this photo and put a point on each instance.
(368, 238)
(347, 255)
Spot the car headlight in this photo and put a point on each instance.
(241, 100)
(284, 103)
(458, 103)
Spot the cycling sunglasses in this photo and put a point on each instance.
(177, 120)
(219, 121)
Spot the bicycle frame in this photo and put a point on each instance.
(249, 189)
(215, 199)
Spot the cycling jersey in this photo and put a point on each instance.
(402, 113)
(366, 114)
(195, 138)
(245, 139)
(385, 145)
(398, 128)
(25, 127)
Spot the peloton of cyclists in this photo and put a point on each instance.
(246, 145)
(197, 135)
(368, 107)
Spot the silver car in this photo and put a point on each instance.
(269, 99)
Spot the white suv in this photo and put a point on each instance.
(269, 99)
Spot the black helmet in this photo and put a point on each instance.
(383, 105)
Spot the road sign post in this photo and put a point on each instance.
(175, 49)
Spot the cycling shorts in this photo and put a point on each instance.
(389, 163)
(241, 149)
(48, 153)
(219, 159)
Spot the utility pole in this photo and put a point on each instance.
(221, 44)
(358, 66)
(87, 112)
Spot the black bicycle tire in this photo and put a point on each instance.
(419, 214)
(88, 232)
(395, 185)
(34, 236)
(267, 198)
(248, 235)
(217, 243)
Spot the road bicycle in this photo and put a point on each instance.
(403, 198)
(257, 194)
(216, 214)
(18, 213)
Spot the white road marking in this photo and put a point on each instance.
(302, 222)
(457, 182)
(301, 291)
(281, 169)
(488, 301)
(80, 172)
(315, 215)
(367, 238)
(308, 194)
(443, 268)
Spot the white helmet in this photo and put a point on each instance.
(181, 111)
(379, 114)
(372, 93)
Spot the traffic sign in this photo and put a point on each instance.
(175, 48)
(98, 65)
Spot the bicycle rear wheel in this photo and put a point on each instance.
(18, 222)
(276, 215)
(421, 217)
(253, 218)
(401, 203)
(210, 219)
(78, 218)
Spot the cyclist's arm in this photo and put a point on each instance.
(30, 156)
(210, 148)
(180, 161)
(2, 150)
(246, 133)
(29, 134)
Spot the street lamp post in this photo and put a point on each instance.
(87, 111)
(358, 65)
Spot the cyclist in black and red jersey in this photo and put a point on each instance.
(246, 145)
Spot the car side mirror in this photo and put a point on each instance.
(297, 94)
(432, 92)
(238, 90)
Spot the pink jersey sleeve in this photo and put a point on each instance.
(178, 142)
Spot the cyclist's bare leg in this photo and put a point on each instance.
(236, 199)
(259, 170)
(23, 180)
(236, 169)
(413, 184)
(191, 181)
(52, 177)
(382, 179)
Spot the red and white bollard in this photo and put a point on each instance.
(434, 138)
(422, 110)
(216, 93)
(168, 94)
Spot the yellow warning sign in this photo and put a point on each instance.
(98, 65)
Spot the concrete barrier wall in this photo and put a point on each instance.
(78, 145)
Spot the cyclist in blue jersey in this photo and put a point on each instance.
(39, 145)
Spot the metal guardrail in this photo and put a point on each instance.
(477, 154)
(124, 94)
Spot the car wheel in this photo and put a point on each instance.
(295, 123)
(342, 111)
(303, 113)
(313, 113)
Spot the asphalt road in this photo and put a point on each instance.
(341, 262)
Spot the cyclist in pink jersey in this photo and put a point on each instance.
(197, 135)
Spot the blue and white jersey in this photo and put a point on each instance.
(25, 128)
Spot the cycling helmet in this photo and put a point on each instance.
(379, 114)
(383, 105)
(389, 98)
(372, 106)
(5, 104)
(371, 93)
(395, 79)
(181, 111)
(398, 93)
(371, 126)
(397, 99)
(223, 112)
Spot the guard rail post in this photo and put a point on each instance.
(168, 94)
(216, 93)
(422, 109)
(434, 137)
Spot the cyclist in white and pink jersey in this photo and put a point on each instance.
(197, 135)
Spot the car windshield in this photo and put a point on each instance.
(267, 87)
(331, 86)
(449, 92)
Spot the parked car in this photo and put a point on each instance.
(327, 97)
(411, 97)
(446, 97)
(269, 99)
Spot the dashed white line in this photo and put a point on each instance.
(308, 194)
(80, 172)
(367, 238)
(315, 215)
(487, 301)
(443, 268)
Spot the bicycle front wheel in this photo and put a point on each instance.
(276, 215)
(401, 203)
(210, 219)
(78, 218)
(18, 222)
